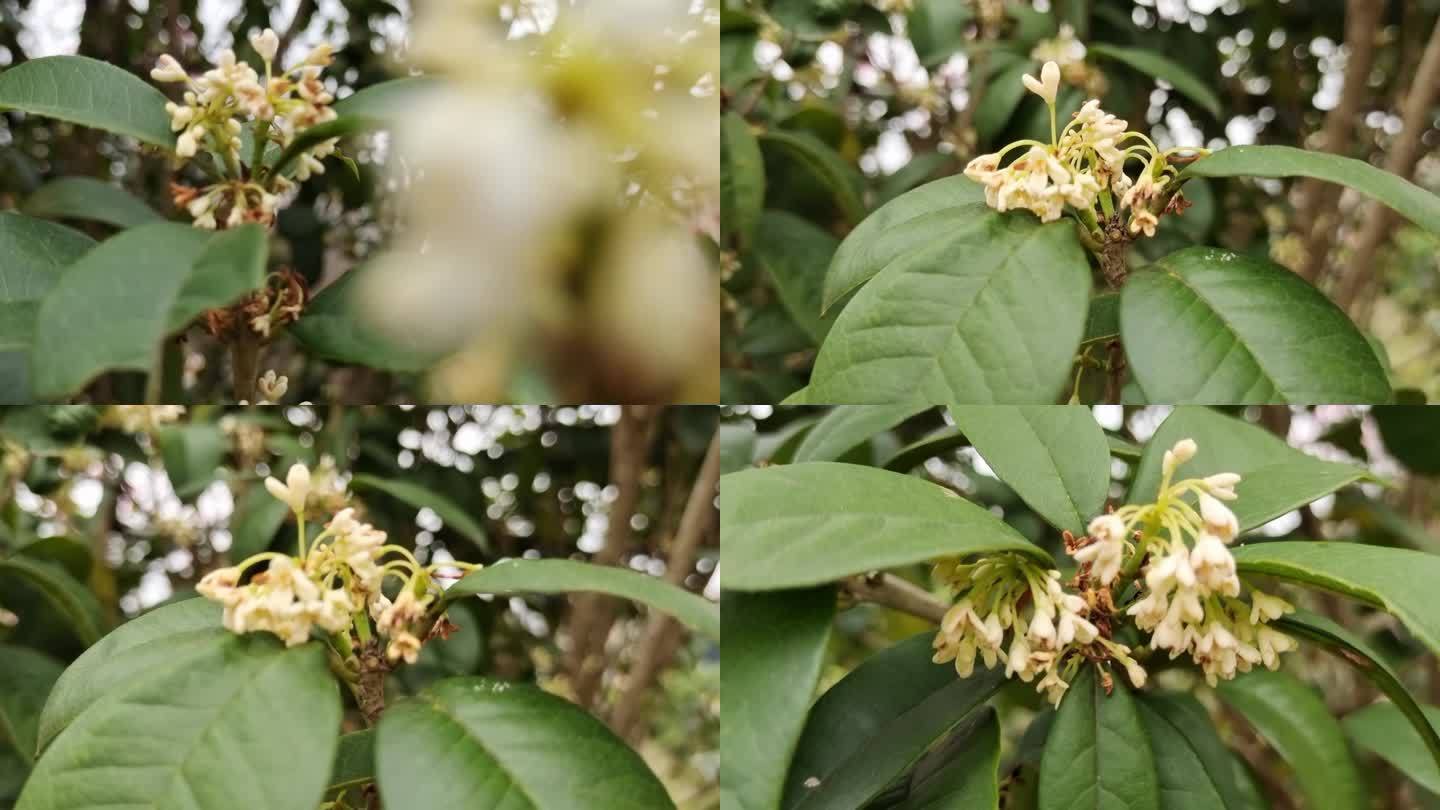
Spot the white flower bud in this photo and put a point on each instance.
(1135, 672)
(1047, 85)
(265, 43)
(168, 70)
(1219, 520)
(1222, 485)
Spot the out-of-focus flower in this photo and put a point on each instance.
(140, 418)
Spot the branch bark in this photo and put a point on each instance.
(661, 633)
(1314, 216)
(897, 594)
(1359, 276)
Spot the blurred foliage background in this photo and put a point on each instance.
(116, 510)
(857, 101)
(1400, 445)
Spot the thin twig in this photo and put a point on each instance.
(897, 594)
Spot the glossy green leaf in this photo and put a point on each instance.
(354, 760)
(962, 772)
(339, 325)
(26, 677)
(1358, 653)
(66, 595)
(737, 446)
(1097, 756)
(884, 687)
(991, 312)
(33, 253)
(421, 497)
(904, 224)
(795, 253)
(566, 576)
(95, 671)
(937, 28)
(388, 99)
(1055, 457)
(936, 444)
(1383, 729)
(803, 524)
(843, 429)
(1102, 322)
(1275, 477)
(253, 724)
(773, 648)
(1194, 769)
(742, 178)
(473, 742)
(88, 199)
(1156, 66)
(1412, 435)
(230, 266)
(1002, 97)
(1397, 580)
(192, 453)
(257, 517)
(825, 164)
(1293, 719)
(1409, 200)
(88, 92)
(1205, 325)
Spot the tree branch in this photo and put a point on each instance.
(896, 594)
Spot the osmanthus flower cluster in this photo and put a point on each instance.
(215, 110)
(1011, 609)
(336, 583)
(1083, 167)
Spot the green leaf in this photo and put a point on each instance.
(88, 675)
(1294, 721)
(192, 453)
(257, 517)
(1412, 435)
(565, 576)
(1154, 65)
(254, 724)
(112, 308)
(1358, 653)
(354, 760)
(773, 652)
(89, 199)
(1275, 477)
(742, 178)
(1102, 322)
(88, 92)
(737, 446)
(845, 428)
(1396, 580)
(936, 444)
(1002, 97)
(69, 597)
(1055, 457)
(1194, 768)
(1382, 728)
(885, 687)
(962, 774)
(803, 524)
(1205, 325)
(1409, 200)
(795, 253)
(389, 99)
(904, 224)
(35, 253)
(826, 165)
(1098, 755)
(991, 312)
(339, 325)
(421, 497)
(937, 29)
(26, 677)
(473, 742)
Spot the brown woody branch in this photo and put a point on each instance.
(897, 594)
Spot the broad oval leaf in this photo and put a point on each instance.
(1275, 477)
(1382, 728)
(26, 678)
(1409, 200)
(230, 265)
(91, 93)
(257, 517)
(67, 595)
(422, 497)
(338, 325)
(255, 724)
(803, 524)
(36, 252)
(89, 199)
(192, 453)
(772, 653)
(1295, 722)
(795, 252)
(906, 223)
(1153, 64)
(387, 99)
(1358, 653)
(1055, 457)
(992, 312)
(962, 771)
(742, 178)
(1002, 97)
(912, 455)
(473, 742)
(1396, 580)
(831, 170)
(1097, 756)
(567, 576)
(843, 429)
(1412, 435)
(1194, 768)
(1205, 325)
(354, 760)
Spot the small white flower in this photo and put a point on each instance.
(265, 43)
(1214, 565)
(295, 489)
(1219, 520)
(272, 386)
(1047, 85)
(1135, 672)
(1222, 485)
(1265, 608)
(168, 70)
(1183, 451)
